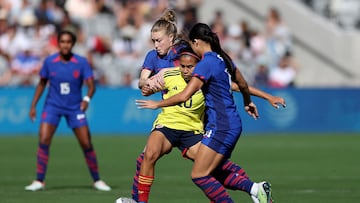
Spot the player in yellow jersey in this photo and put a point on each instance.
(181, 126)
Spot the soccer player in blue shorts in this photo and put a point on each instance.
(213, 75)
(65, 72)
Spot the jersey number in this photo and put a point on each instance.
(64, 88)
(186, 104)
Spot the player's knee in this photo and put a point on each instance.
(151, 155)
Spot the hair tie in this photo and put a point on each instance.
(190, 54)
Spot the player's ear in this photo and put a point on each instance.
(172, 37)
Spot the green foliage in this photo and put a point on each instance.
(302, 168)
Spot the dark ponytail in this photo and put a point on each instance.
(203, 31)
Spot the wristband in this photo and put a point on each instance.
(87, 99)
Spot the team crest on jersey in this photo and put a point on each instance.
(76, 73)
(207, 134)
(159, 126)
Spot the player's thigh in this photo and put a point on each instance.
(46, 132)
(83, 136)
(50, 119)
(192, 151)
(206, 160)
(157, 145)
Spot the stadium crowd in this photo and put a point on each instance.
(114, 36)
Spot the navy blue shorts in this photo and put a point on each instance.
(223, 142)
(181, 139)
(74, 119)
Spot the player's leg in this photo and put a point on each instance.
(156, 146)
(205, 162)
(231, 175)
(82, 133)
(48, 125)
(134, 191)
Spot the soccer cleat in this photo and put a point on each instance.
(35, 186)
(264, 193)
(101, 186)
(125, 200)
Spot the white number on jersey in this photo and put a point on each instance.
(64, 88)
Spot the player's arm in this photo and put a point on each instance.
(273, 100)
(90, 83)
(193, 86)
(249, 106)
(144, 75)
(38, 92)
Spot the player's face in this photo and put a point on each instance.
(162, 42)
(187, 65)
(65, 44)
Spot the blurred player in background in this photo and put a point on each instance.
(66, 73)
(182, 126)
(213, 75)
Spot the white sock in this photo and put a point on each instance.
(254, 189)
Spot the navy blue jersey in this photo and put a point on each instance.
(65, 80)
(155, 63)
(221, 112)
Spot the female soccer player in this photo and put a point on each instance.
(65, 71)
(213, 75)
(167, 43)
(181, 126)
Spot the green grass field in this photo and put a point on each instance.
(307, 168)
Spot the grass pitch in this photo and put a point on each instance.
(302, 168)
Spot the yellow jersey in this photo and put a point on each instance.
(187, 116)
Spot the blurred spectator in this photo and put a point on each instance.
(219, 26)
(261, 78)
(278, 37)
(127, 48)
(24, 68)
(284, 74)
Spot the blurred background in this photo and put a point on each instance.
(303, 50)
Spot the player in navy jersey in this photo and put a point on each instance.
(64, 72)
(213, 75)
(167, 43)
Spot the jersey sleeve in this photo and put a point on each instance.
(202, 71)
(88, 72)
(149, 61)
(44, 71)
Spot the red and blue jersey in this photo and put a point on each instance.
(155, 63)
(220, 111)
(65, 80)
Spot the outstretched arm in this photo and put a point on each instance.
(274, 101)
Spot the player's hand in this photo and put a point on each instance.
(252, 110)
(146, 91)
(32, 114)
(84, 105)
(277, 101)
(146, 104)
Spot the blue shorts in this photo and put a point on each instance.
(181, 139)
(223, 142)
(74, 119)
